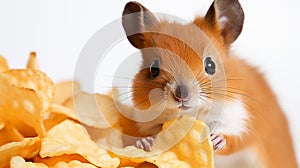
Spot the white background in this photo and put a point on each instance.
(57, 30)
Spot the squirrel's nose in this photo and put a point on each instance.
(182, 93)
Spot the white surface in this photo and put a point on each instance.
(57, 30)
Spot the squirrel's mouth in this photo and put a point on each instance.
(184, 106)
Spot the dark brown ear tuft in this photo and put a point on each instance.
(228, 17)
(136, 20)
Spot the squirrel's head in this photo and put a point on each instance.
(180, 61)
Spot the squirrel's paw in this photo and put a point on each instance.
(145, 143)
(218, 141)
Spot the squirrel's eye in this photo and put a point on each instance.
(154, 69)
(210, 66)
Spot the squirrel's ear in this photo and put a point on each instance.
(228, 17)
(137, 20)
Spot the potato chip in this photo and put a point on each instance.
(146, 165)
(59, 109)
(27, 148)
(53, 119)
(69, 103)
(3, 64)
(195, 148)
(96, 110)
(9, 134)
(74, 164)
(21, 108)
(52, 161)
(110, 109)
(19, 162)
(56, 114)
(32, 62)
(191, 149)
(108, 138)
(131, 156)
(65, 90)
(32, 79)
(69, 137)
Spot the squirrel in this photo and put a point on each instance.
(190, 67)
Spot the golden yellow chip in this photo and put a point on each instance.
(32, 62)
(52, 161)
(27, 148)
(53, 119)
(59, 109)
(21, 108)
(195, 148)
(69, 137)
(9, 134)
(56, 114)
(74, 164)
(106, 137)
(69, 103)
(65, 90)
(191, 149)
(96, 110)
(131, 156)
(3, 64)
(110, 109)
(32, 79)
(19, 162)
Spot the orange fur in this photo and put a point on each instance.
(268, 131)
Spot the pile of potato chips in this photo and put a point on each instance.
(45, 125)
